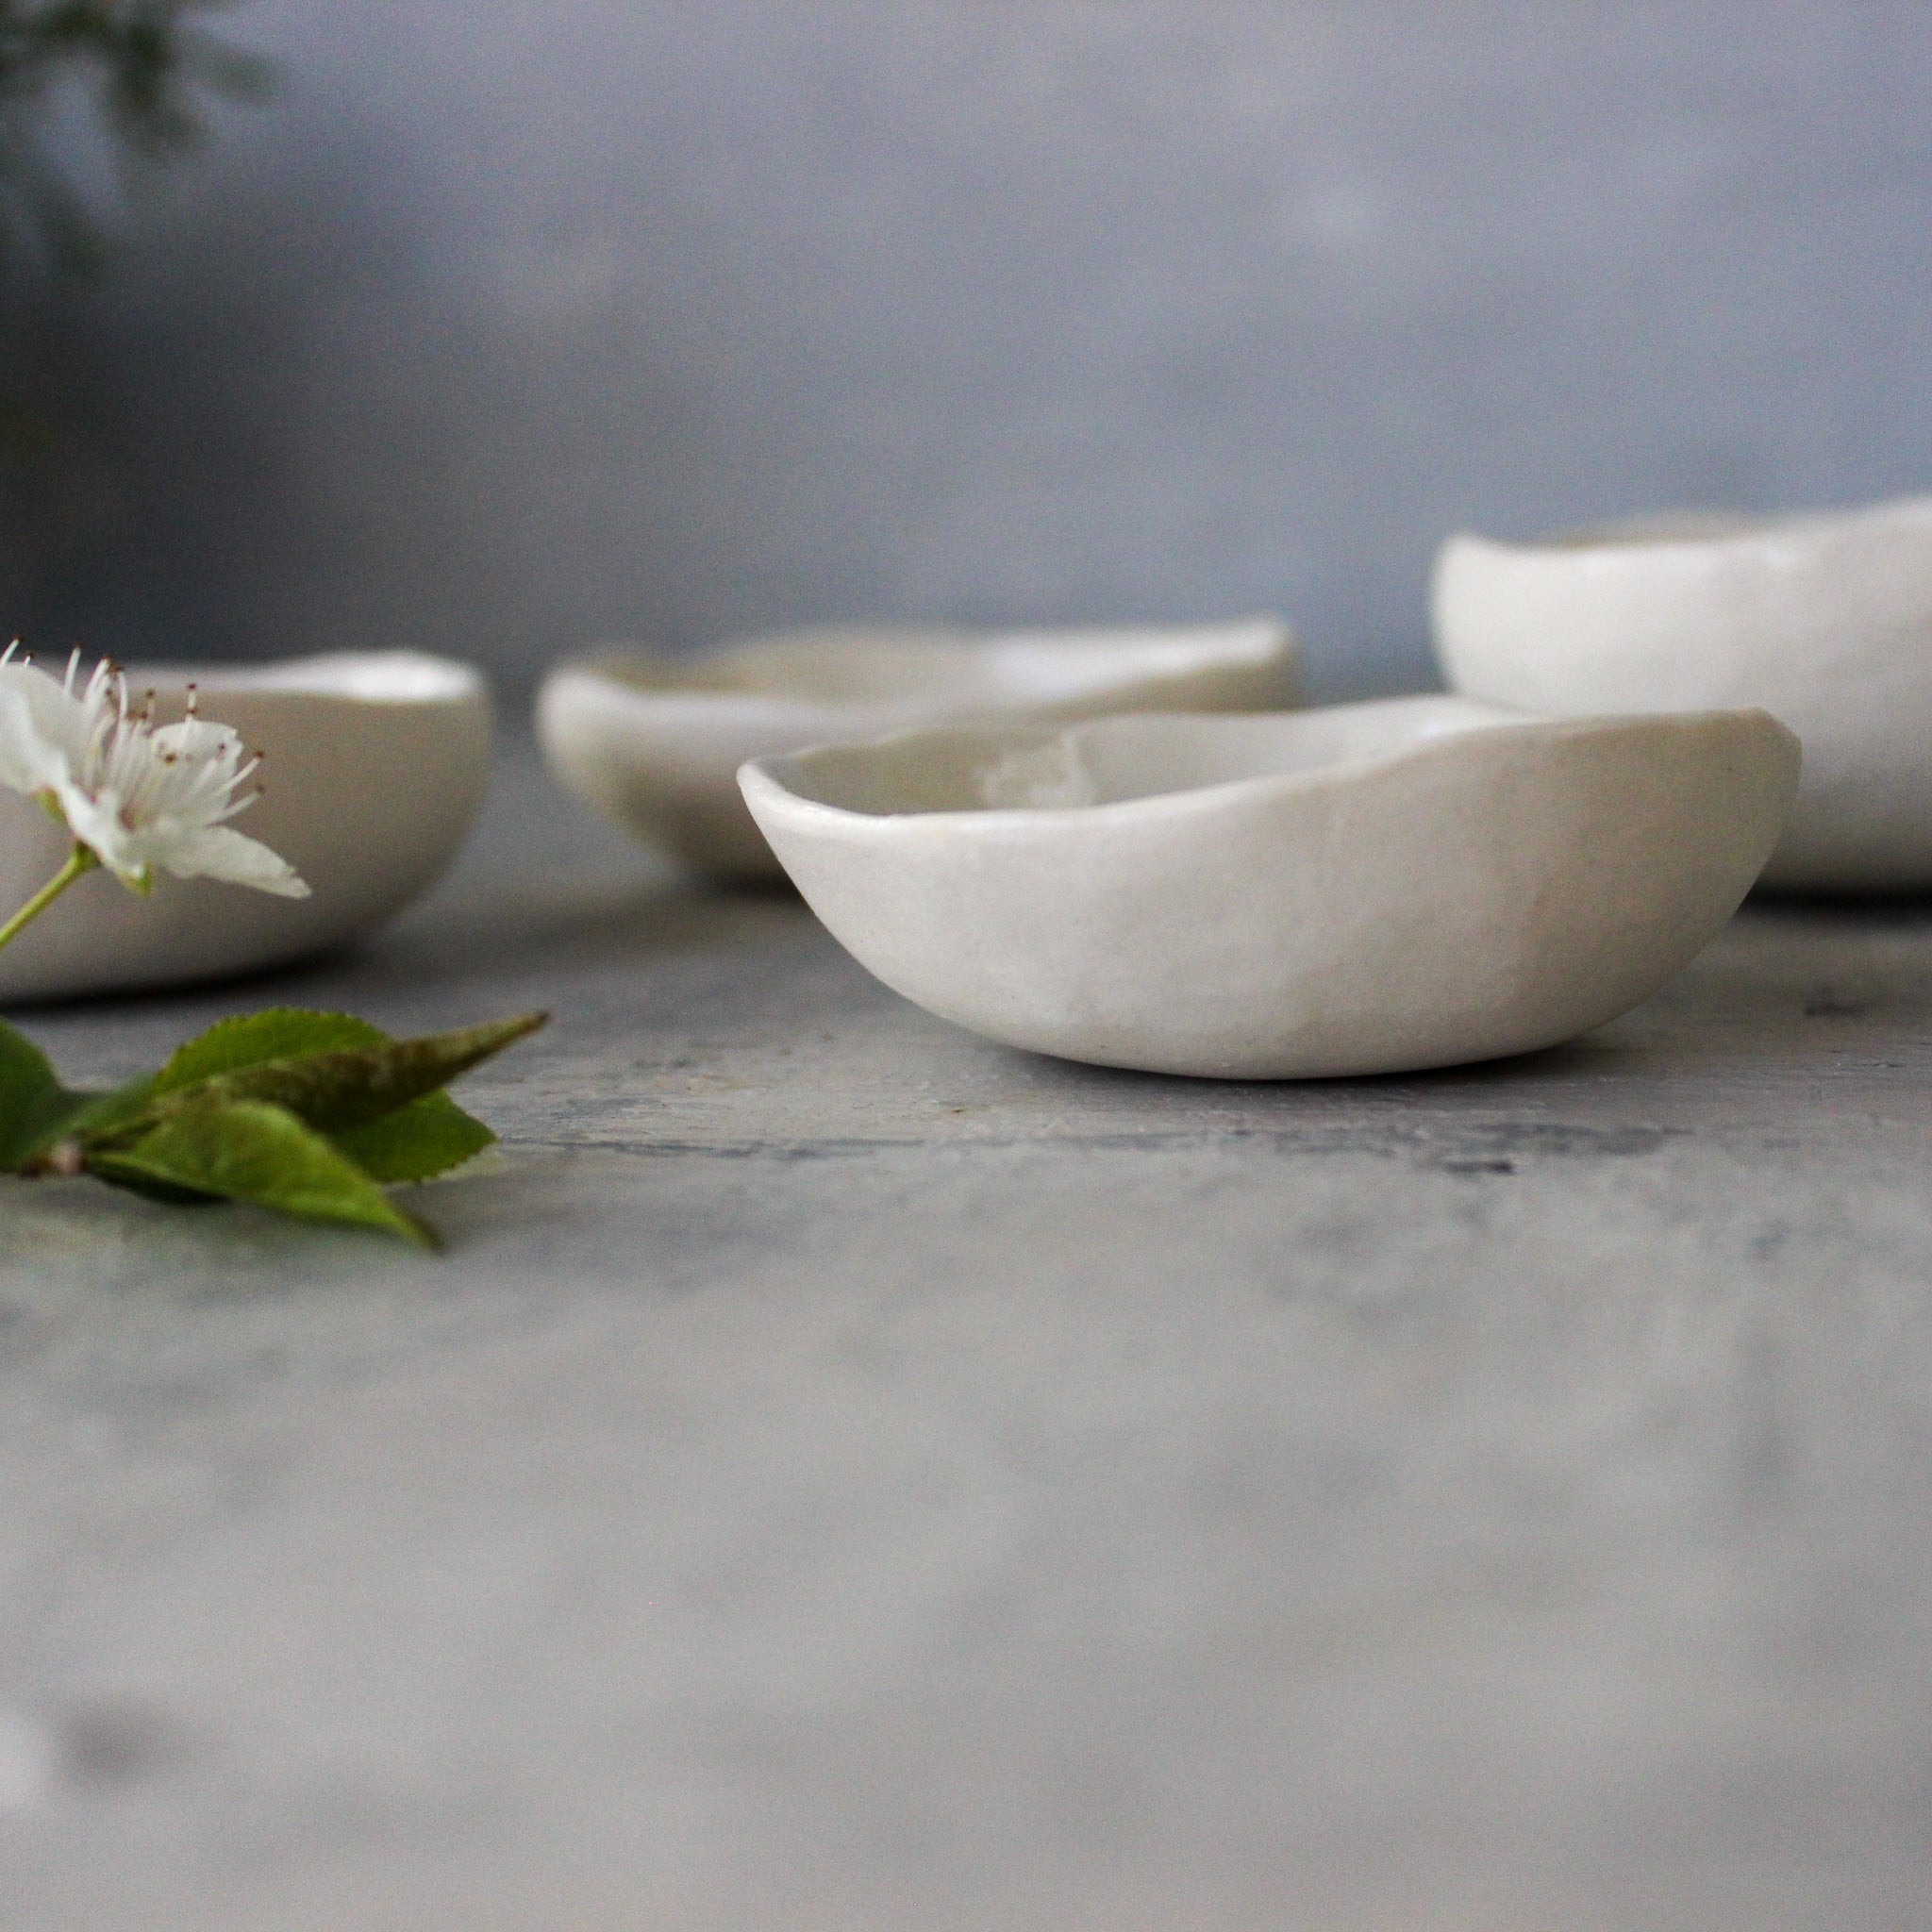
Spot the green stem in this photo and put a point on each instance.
(81, 860)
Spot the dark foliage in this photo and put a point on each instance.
(147, 68)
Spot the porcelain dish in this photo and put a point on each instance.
(654, 741)
(1824, 620)
(374, 767)
(1364, 889)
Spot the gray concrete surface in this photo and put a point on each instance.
(846, 1474)
(512, 327)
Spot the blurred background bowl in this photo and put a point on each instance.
(656, 741)
(1824, 620)
(373, 768)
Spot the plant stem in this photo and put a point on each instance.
(81, 860)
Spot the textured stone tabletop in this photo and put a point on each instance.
(846, 1476)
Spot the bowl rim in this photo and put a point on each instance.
(1696, 529)
(387, 679)
(763, 779)
(1248, 643)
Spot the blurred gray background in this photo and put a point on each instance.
(511, 327)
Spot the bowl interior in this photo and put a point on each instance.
(862, 665)
(1118, 759)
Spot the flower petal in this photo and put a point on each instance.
(63, 721)
(220, 852)
(142, 798)
(29, 761)
(197, 739)
(96, 822)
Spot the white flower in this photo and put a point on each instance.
(137, 796)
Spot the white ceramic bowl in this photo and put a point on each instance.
(1826, 621)
(1366, 888)
(374, 765)
(656, 741)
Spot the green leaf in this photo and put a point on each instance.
(35, 1108)
(107, 1113)
(37, 1113)
(338, 1089)
(248, 1150)
(416, 1142)
(348, 1087)
(252, 1039)
(166, 1192)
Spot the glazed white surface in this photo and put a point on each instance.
(374, 767)
(656, 741)
(1358, 890)
(1824, 621)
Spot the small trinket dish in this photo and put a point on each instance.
(654, 741)
(373, 766)
(1823, 620)
(1364, 889)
